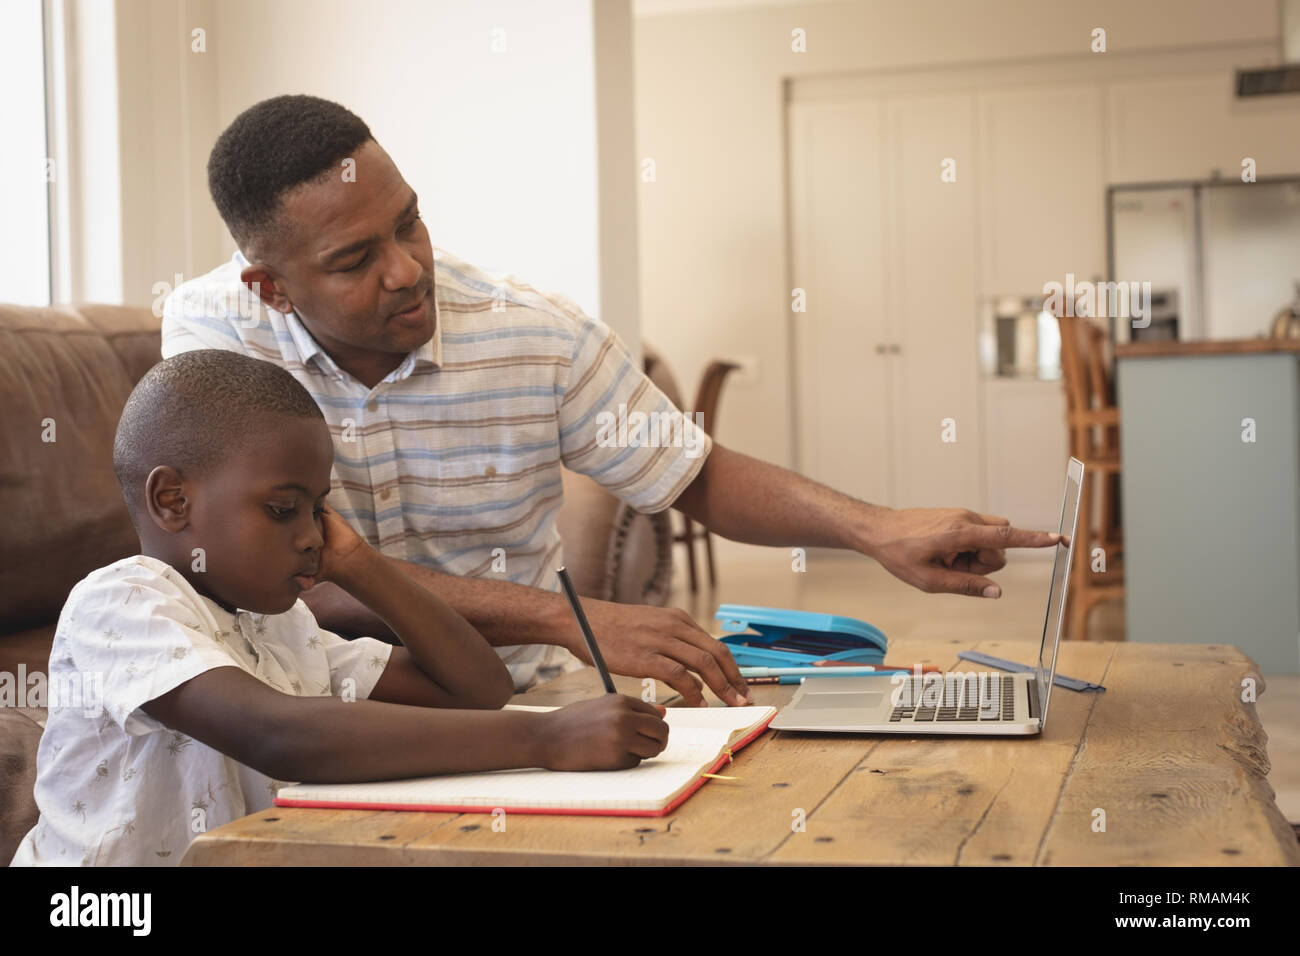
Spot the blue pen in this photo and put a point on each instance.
(748, 672)
(800, 678)
(787, 679)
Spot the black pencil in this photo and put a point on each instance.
(590, 638)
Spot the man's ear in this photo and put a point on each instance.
(165, 501)
(266, 286)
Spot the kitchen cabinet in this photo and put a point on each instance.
(884, 247)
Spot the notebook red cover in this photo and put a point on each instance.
(722, 760)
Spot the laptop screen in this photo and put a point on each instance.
(1046, 669)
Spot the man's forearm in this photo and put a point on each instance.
(503, 612)
(443, 645)
(753, 502)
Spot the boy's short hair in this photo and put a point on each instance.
(270, 148)
(196, 409)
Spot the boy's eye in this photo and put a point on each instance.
(284, 511)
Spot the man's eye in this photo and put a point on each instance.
(358, 264)
(280, 512)
(411, 225)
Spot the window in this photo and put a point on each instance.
(25, 168)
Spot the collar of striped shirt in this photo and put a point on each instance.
(428, 355)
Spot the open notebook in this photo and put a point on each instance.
(700, 741)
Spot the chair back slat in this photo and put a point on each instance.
(710, 390)
(1089, 384)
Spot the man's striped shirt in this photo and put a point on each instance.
(454, 460)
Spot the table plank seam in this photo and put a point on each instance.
(978, 823)
(826, 796)
(1083, 742)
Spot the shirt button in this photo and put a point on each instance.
(372, 406)
(385, 494)
(489, 472)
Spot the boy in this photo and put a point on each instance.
(216, 680)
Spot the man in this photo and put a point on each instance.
(454, 398)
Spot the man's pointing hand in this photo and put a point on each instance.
(948, 550)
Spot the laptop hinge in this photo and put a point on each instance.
(1032, 685)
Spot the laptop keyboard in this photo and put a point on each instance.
(987, 697)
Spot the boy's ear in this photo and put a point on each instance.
(263, 283)
(165, 501)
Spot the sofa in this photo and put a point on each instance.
(65, 373)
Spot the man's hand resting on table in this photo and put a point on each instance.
(665, 643)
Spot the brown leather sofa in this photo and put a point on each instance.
(65, 374)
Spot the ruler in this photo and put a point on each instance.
(988, 660)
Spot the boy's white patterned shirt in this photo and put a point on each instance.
(114, 786)
(454, 460)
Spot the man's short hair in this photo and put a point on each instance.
(197, 409)
(269, 149)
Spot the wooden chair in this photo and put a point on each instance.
(1092, 419)
(706, 403)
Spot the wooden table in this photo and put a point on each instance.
(1169, 752)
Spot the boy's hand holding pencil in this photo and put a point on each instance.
(611, 732)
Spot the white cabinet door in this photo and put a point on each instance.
(1027, 450)
(933, 318)
(837, 187)
(1186, 127)
(1042, 187)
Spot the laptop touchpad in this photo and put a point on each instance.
(824, 701)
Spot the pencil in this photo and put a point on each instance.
(587, 636)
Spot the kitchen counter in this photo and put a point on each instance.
(1220, 347)
(1210, 444)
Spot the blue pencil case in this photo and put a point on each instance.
(775, 637)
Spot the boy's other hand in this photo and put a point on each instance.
(612, 732)
(343, 550)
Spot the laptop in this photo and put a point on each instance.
(979, 701)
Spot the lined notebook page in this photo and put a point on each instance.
(696, 737)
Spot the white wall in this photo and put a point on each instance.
(616, 203)
(513, 169)
(500, 146)
(167, 92)
(710, 113)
